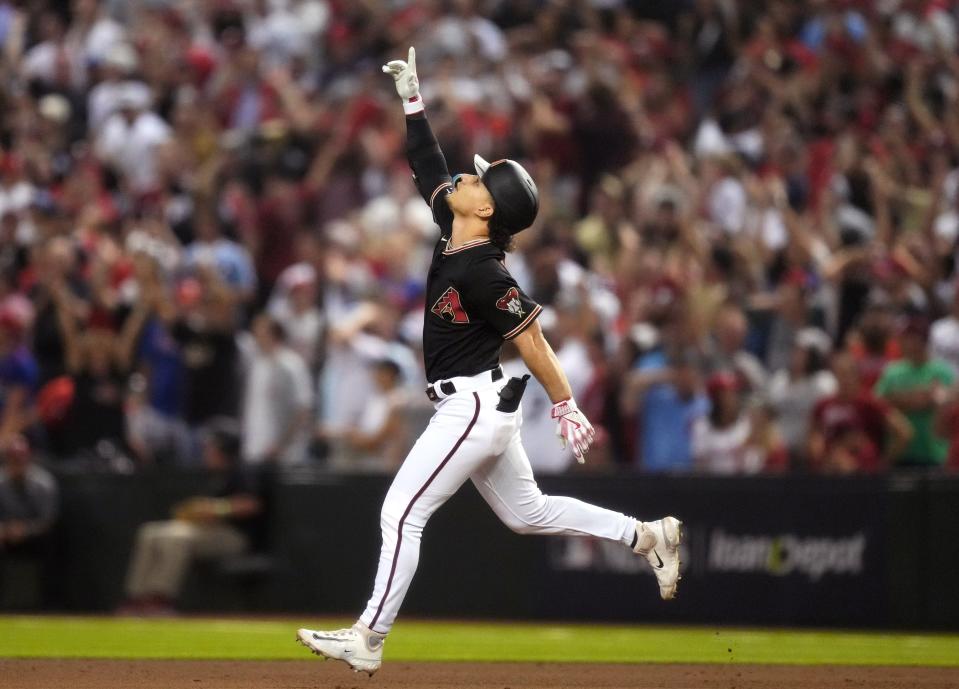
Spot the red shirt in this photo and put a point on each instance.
(952, 422)
(864, 414)
(871, 365)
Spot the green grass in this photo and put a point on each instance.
(448, 641)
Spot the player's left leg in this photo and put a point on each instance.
(465, 432)
(508, 486)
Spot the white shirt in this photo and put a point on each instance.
(724, 450)
(132, 148)
(944, 341)
(103, 99)
(16, 198)
(794, 400)
(41, 62)
(304, 331)
(375, 414)
(727, 205)
(277, 389)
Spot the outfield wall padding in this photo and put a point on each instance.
(837, 552)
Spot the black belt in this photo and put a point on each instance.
(447, 388)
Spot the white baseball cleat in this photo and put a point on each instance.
(358, 647)
(658, 542)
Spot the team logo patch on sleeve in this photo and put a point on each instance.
(510, 302)
(449, 307)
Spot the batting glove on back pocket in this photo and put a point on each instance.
(573, 428)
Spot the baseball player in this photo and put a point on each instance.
(473, 305)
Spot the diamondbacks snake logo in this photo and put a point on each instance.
(510, 302)
(449, 307)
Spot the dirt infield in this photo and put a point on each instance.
(147, 674)
(172, 674)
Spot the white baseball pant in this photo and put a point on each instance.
(467, 438)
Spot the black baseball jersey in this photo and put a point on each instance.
(473, 304)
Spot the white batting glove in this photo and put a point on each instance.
(407, 83)
(573, 428)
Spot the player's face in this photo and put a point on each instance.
(470, 197)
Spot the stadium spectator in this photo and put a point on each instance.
(944, 337)
(732, 439)
(664, 393)
(277, 397)
(156, 431)
(204, 328)
(748, 169)
(873, 344)
(29, 501)
(918, 386)
(229, 520)
(98, 360)
(726, 349)
(853, 431)
(211, 248)
(793, 392)
(947, 426)
(135, 140)
(18, 368)
(294, 306)
(379, 440)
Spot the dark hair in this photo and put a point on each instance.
(224, 433)
(816, 360)
(715, 411)
(499, 235)
(279, 332)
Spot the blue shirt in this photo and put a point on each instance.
(813, 33)
(17, 369)
(161, 353)
(232, 261)
(666, 422)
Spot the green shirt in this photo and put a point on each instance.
(900, 376)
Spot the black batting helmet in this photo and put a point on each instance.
(513, 190)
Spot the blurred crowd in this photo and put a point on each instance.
(747, 237)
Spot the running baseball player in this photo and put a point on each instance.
(473, 305)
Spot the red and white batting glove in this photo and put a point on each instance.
(573, 428)
(407, 83)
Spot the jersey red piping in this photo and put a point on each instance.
(464, 247)
(437, 191)
(525, 324)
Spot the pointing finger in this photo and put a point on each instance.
(411, 59)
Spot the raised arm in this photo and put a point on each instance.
(430, 173)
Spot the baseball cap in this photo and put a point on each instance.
(814, 338)
(121, 56)
(133, 95)
(722, 380)
(514, 193)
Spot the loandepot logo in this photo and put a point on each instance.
(786, 554)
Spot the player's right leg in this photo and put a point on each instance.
(508, 486)
(456, 441)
